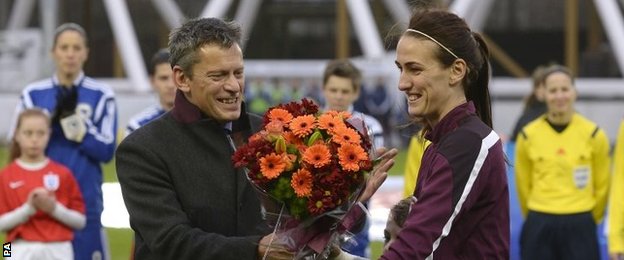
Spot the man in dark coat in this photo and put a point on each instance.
(185, 198)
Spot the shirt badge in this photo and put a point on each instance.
(51, 181)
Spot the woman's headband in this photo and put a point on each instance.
(434, 40)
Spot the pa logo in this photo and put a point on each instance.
(6, 249)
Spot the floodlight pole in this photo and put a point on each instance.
(20, 14)
(366, 29)
(216, 8)
(170, 12)
(612, 21)
(246, 16)
(48, 10)
(400, 11)
(126, 40)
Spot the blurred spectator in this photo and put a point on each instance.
(161, 77)
(378, 103)
(616, 200)
(84, 127)
(40, 202)
(313, 91)
(534, 105)
(562, 176)
(415, 152)
(257, 97)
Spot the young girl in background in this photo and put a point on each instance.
(40, 202)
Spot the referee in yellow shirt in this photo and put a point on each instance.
(562, 176)
(616, 201)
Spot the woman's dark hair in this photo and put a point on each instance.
(452, 32)
(538, 78)
(15, 151)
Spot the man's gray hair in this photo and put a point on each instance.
(192, 35)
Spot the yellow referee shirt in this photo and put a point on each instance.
(415, 152)
(563, 173)
(616, 200)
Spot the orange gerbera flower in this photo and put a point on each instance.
(303, 125)
(341, 114)
(317, 155)
(302, 183)
(329, 122)
(279, 114)
(272, 165)
(350, 156)
(344, 135)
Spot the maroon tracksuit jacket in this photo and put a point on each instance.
(462, 208)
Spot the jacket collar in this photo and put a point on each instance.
(451, 121)
(186, 112)
(77, 81)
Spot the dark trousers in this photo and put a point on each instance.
(547, 236)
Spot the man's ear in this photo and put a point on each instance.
(459, 70)
(180, 79)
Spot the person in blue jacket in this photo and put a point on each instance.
(84, 124)
(161, 77)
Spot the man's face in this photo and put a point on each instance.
(339, 93)
(217, 83)
(162, 82)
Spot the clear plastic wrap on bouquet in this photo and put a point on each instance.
(309, 238)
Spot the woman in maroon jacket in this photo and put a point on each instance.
(462, 201)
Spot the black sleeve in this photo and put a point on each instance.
(157, 216)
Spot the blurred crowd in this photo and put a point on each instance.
(375, 99)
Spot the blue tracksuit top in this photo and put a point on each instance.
(145, 116)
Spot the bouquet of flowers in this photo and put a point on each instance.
(308, 169)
